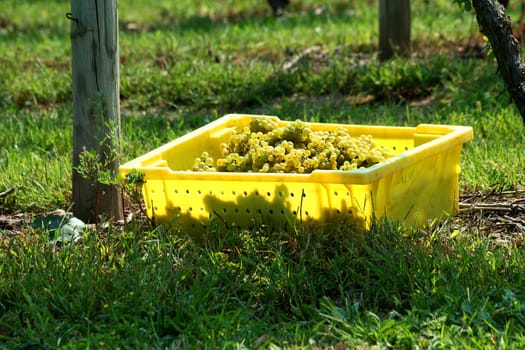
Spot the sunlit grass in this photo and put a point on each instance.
(128, 287)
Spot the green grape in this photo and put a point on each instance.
(266, 146)
(262, 124)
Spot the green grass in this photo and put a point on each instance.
(186, 63)
(128, 288)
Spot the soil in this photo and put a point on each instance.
(499, 216)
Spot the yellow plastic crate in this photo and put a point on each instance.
(420, 183)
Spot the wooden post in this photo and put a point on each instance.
(394, 28)
(96, 110)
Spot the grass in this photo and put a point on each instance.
(132, 288)
(186, 63)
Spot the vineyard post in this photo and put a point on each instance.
(96, 110)
(394, 28)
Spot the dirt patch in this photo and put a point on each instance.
(499, 216)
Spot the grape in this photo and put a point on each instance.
(263, 125)
(267, 147)
(204, 163)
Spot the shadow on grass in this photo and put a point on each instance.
(297, 15)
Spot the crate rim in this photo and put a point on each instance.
(450, 136)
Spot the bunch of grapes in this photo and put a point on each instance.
(265, 146)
